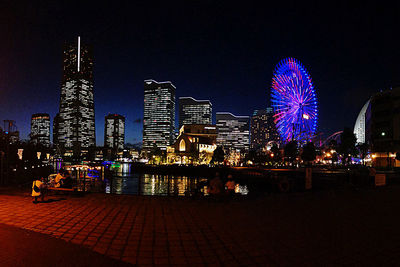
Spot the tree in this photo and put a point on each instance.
(398, 155)
(194, 156)
(291, 151)
(276, 153)
(204, 157)
(347, 145)
(219, 155)
(363, 149)
(251, 155)
(309, 153)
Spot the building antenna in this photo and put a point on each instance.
(79, 52)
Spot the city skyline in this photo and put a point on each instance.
(231, 68)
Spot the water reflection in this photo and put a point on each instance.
(127, 182)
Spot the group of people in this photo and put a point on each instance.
(217, 188)
(63, 179)
(40, 186)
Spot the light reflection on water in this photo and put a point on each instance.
(127, 182)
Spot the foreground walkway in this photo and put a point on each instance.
(324, 228)
(19, 247)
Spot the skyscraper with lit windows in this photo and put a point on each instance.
(233, 131)
(40, 129)
(192, 111)
(263, 129)
(159, 115)
(77, 123)
(114, 132)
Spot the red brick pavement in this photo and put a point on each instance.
(325, 228)
(20, 247)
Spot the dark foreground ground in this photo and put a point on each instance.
(342, 227)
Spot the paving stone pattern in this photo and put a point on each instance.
(325, 228)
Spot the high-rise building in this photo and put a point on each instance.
(114, 132)
(382, 127)
(10, 130)
(192, 111)
(77, 123)
(159, 115)
(40, 129)
(359, 127)
(233, 131)
(56, 128)
(262, 129)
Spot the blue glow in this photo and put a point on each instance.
(292, 97)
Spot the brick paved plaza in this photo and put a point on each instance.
(344, 227)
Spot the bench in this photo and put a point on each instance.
(61, 189)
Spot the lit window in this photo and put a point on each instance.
(182, 145)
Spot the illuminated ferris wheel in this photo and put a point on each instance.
(294, 101)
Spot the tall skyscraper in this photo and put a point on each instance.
(114, 132)
(262, 129)
(359, 127)
(192, 111)
(40, 129)
(233, 131)
(77, 123)
(159, 115)
(56, 128)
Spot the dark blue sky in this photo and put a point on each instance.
(220, 52)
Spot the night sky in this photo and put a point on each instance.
(220, 52)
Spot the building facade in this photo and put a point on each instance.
(192, 111)
(195, 144)
(383, 121)
(359, 127)
(233, 131)
(159, 115)
(40, 129)
(263, 129)
(77, 122)
(114, 132)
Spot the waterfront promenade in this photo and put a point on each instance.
(345, 227)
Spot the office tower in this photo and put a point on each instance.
(114, 132)
(233, 131)
(10, 131)
(40, 129)
(56, 127)
(263, 129)
(359, 127)
(159, 115)
(76, 122)
(192, 111)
